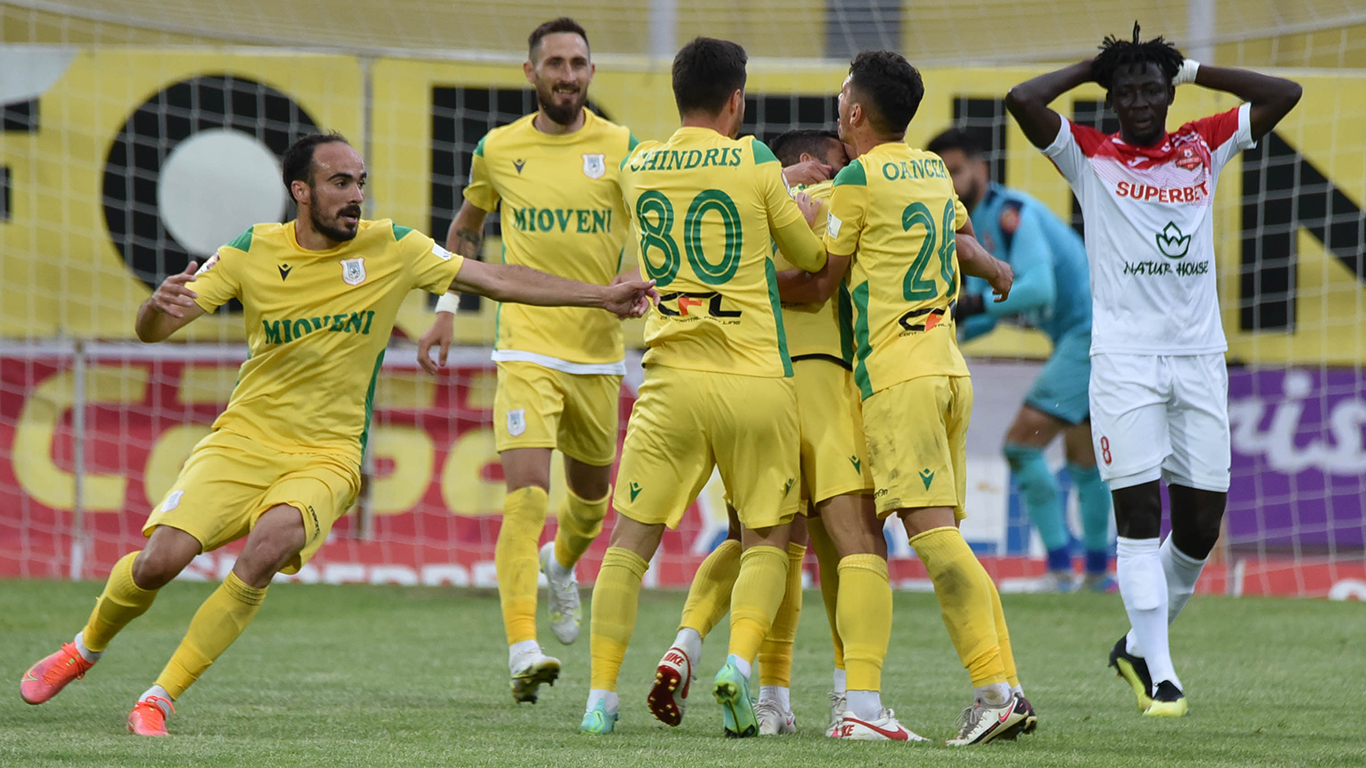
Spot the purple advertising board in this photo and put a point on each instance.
(1299, 460)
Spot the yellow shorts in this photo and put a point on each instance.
(229, 481)
(539, 407)
(685, 423)
(917, 443)
(834, 456)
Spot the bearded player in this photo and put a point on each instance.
(1159, 386)
(282, 464)
(553, 176)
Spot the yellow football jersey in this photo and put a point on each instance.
(819, 330)
(317, 325)
(895, 212)
(561, 213)
(703, 206)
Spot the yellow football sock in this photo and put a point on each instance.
(829, 560)
(119, 603)
(865, 619)
(775, 655)
(616, 595)
(516, 561)
(754, 601)
(709, 596)
(218, 622)
(580, 524)
(1003, 636)
(964, 592)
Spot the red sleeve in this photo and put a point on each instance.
(1087, 138)
(1215, 129)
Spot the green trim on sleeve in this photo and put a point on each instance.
(243, 241)
(401, 232)
(762, 154)
(631, 142)
(479, 148)
(853, 174)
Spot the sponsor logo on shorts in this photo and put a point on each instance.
(317, 526)
(517, 422)
(635, 490)
(858, 465)
(172, 501)
(926, 477)
(788, 485)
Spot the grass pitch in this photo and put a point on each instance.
(380, 676)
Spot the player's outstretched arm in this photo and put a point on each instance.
(1271, 98)
(523, 285)
(170, 307)
(1028, 102)
(465, 237)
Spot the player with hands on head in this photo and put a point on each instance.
(1159, 384)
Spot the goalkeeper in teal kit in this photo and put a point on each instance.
(1052, 293)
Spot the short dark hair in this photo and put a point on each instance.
(889, 84)
(957, 138)
(706, 72)
(562, 24)
(1116, 55)
(789, 145)
(297, 164)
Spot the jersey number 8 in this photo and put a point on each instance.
(656, 235)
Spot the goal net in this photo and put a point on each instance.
(135, 137)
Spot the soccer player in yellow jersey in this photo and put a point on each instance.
(895, 215)
(717, 391)
(553, 175)
(282, 464)
(835, 481)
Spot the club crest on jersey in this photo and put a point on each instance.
(353, 271)
(1187, 159)
(517, 422)
(594, 166)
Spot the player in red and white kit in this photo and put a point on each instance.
(1159, 387)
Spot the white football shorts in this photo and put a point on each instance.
(1161, 417)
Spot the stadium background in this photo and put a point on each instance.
(134, 136)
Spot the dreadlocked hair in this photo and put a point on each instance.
(1116, 55)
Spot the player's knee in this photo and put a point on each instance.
(1195, 529)
(1138, 511)
(154, 570)
(1020, 456)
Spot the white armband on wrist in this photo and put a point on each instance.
(1186, 74)
(449, 302)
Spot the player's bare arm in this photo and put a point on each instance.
(797, 286)
(523, 285)
(807, 172)
(976, 260)
(1271, 98)
(465, 237)
(170, 307)
(1028, 102)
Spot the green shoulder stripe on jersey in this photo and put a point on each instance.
(762, 154)
(479, 148)
(401, 232)
(777, 304)
(243, 241)
(370, 402)
(631, 142)
(860, 296)
(854, 174)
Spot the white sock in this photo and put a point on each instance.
(776, 694)
(157, 690)
(996, 694)
(866, 705)
(1143, 587)
(517, 649)
(690, 642)
(86, 653)
(740, 664)
(1182, 571)
(1016, 690)
(608, 699)
(840, 685)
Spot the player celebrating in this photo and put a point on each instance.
(1052, 293)
(1159, 387)
(895, 215)
(717, 370)
(554, 173)
(834, 476)
(283, 461)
